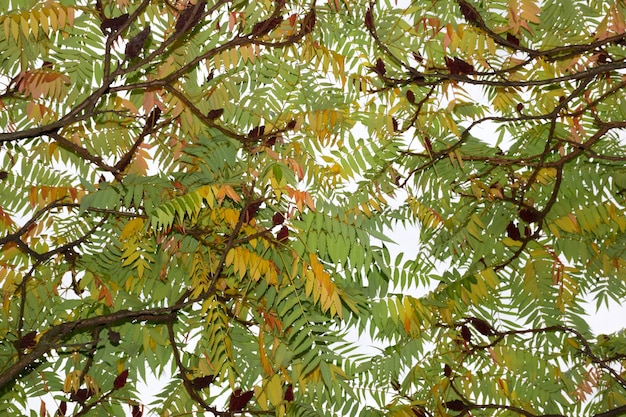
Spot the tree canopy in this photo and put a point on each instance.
(205, 192)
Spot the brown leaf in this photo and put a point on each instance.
(190, 17)
(214, 114)
(369, 20)
(27, 341)
(469, 12)
(283, 234)
(113, 25)
(447, 371)
(120, 380)
(291, 125)
(238, 400)
(455, 405)
(519, 107)
(135, 45)
(3, 175)
(394, 123)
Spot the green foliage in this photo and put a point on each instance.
(206, 192)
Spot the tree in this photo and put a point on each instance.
(203, 191)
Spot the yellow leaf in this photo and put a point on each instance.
(24, 24)
(7, 27)
(274, 390)
(54, 22)
(34, 23)
(132, 229)
(43, 20)
(229, 257)
(261, 397)
(15, 27)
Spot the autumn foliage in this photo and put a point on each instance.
(207, 193)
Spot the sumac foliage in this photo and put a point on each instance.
(207, 192)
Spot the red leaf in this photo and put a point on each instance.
(120, 380)
(239, 400)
